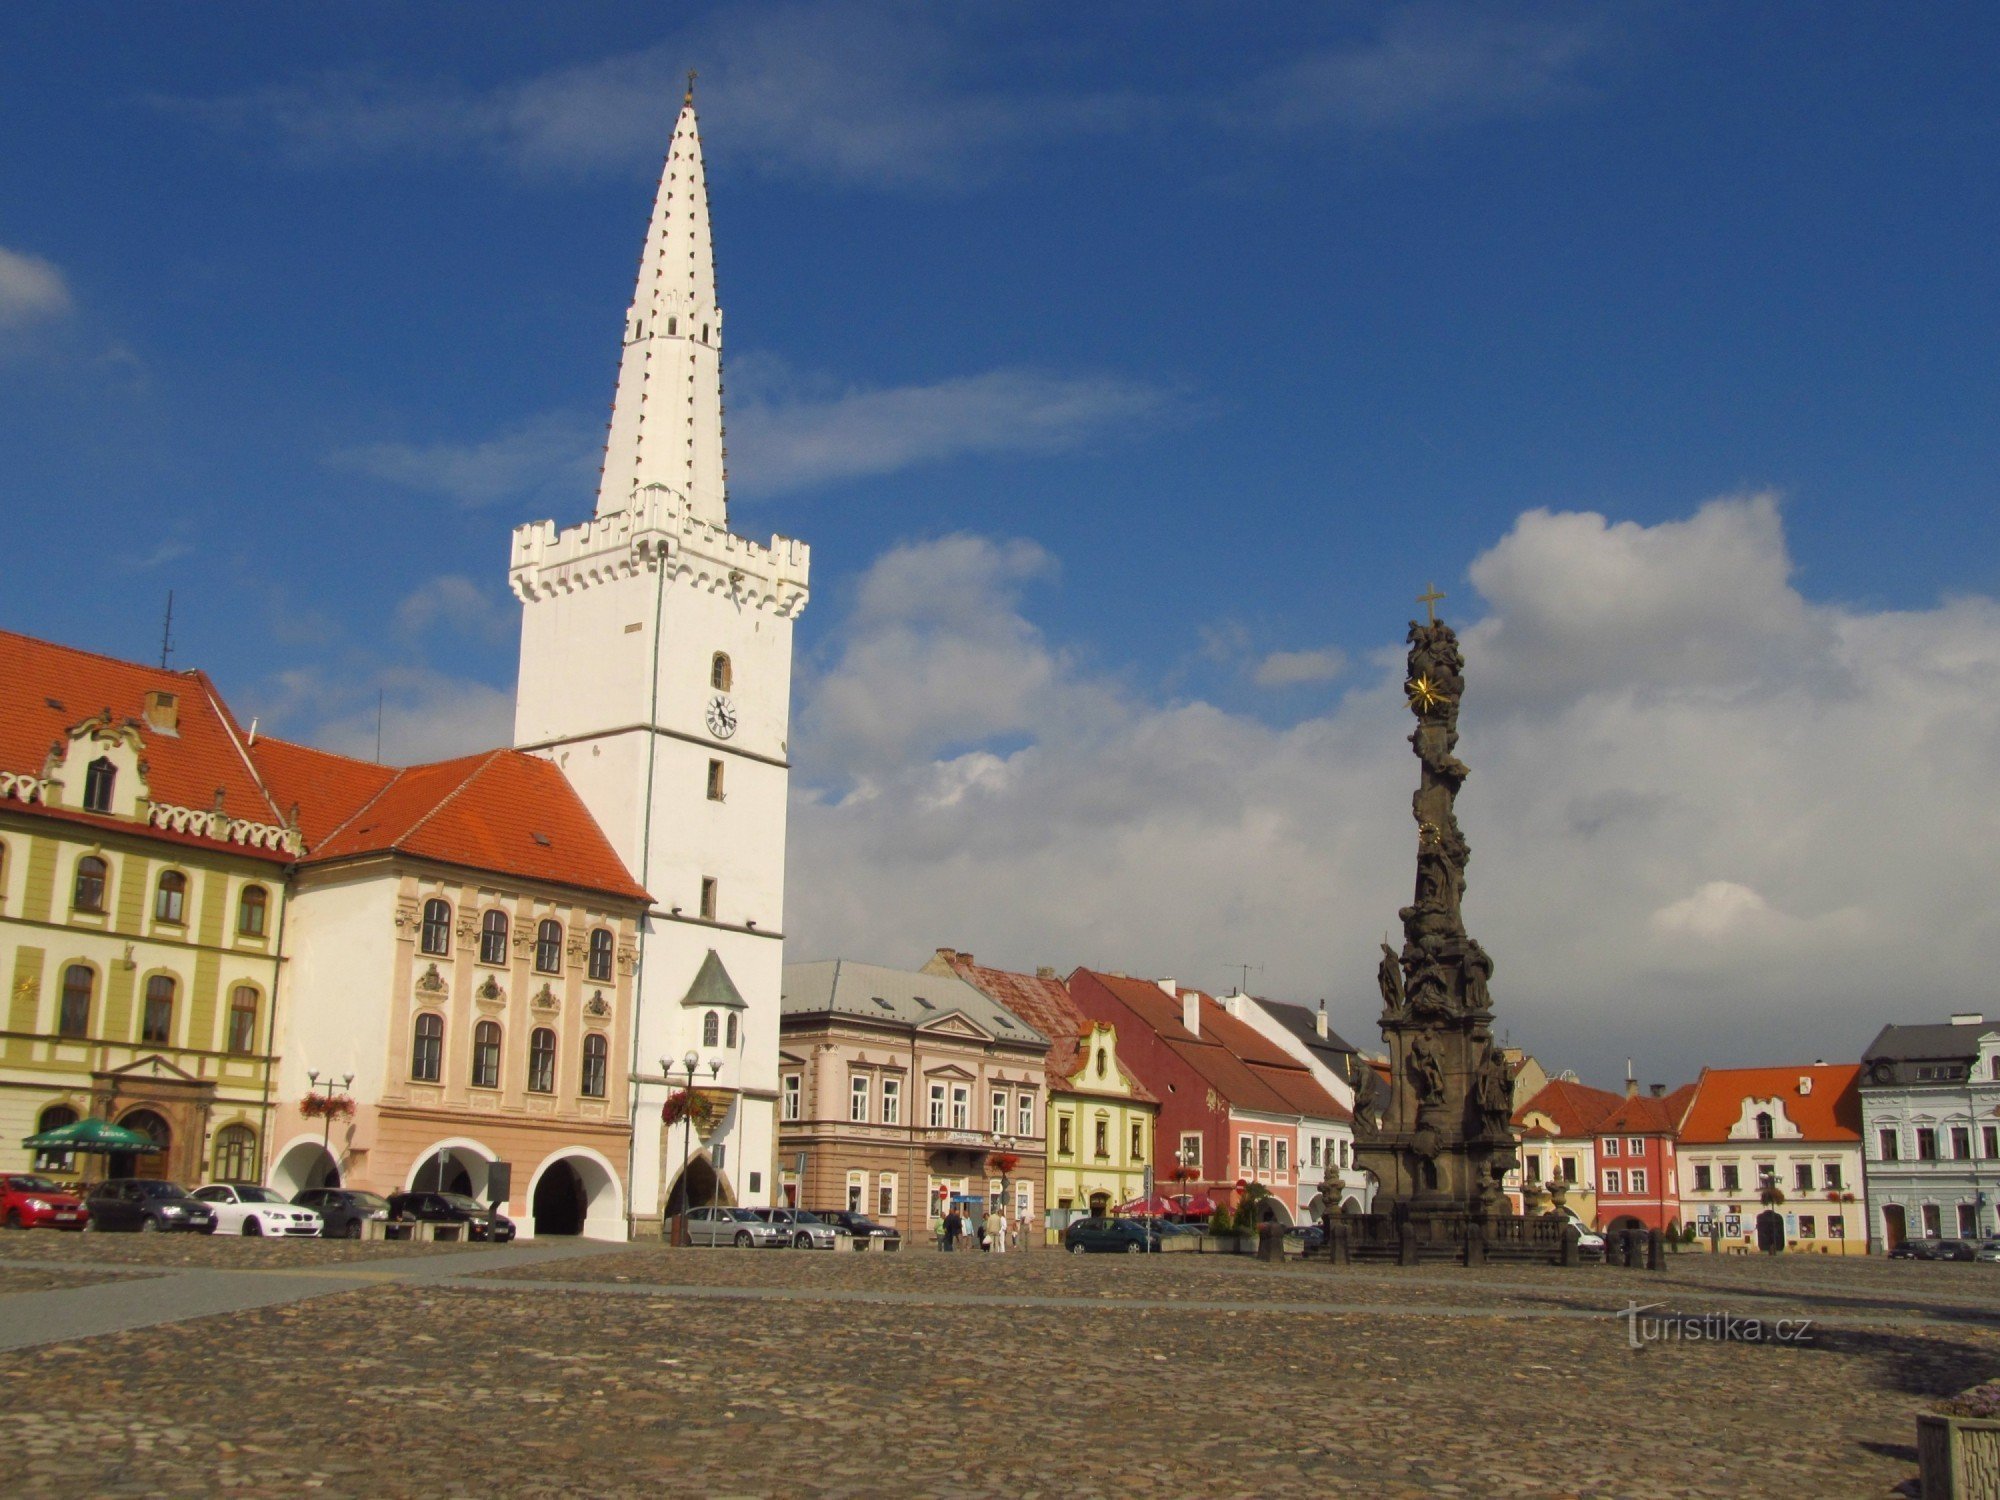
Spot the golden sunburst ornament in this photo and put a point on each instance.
(1425, 694)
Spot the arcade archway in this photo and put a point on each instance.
(699, 1187)
(576, 1193)
(304, 1164)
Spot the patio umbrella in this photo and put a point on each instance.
(1189, 1205)
(93, 1134)
(1154, 1207)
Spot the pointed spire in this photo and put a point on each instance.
(666, 420)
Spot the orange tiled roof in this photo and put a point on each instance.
(1830, 1111)
(1044, 1004)
(1639, 1114)
(1575, 1107)
(500, 811)
(47, 690)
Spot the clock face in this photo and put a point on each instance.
(721, 716)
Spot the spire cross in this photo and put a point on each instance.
(1429, 600)
(688, 97)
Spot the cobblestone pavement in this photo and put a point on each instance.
(1034, 1374)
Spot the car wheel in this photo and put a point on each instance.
(802, 1242)
(14, 1218)
(149, 1225)
(354, 1230)
(1076, 1248)
(251, 1228)
(742, 1239)
(1135, 1248)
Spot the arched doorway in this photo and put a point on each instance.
(151, 1164)
(450, 1169)
(559, 1201)
(698, 1187)
(302, 1165)
(1895, 1226)
(1100, 1204)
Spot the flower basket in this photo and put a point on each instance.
(691, 1105)
(1003, 1162)
(326, 1106)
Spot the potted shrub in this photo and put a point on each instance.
(1958, 1446)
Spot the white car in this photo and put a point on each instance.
(246, 1208)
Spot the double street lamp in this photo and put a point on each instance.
(690, 1060)
(333, 1092)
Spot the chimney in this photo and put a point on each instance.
(1319, 1022)
(1657, 1090)
(163, 711)
(1967, 1018)
(1191, 1011)
(1631, 1081)
(1045, 972)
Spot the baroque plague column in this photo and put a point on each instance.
(1438, 1138)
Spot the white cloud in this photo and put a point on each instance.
(455, 604)
(554, 455)
(1429, 66)
(1291, 668)
(32, 290)
(1712, 821)
(426, 715)
(786, 437)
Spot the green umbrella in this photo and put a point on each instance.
(92, 1134)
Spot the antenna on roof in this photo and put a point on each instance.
(167, 632)
(378, 726)
(1243, 984)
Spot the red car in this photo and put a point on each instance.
(35, 1202)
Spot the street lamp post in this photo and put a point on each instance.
(688, 1061)
(333, 1092)
(714, 1072)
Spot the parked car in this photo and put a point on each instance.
(342, 1210)
(1952, 1250)
(245, 1208)
(1912, 1250)
(1990, 1250)
(1129, 1236)
(734, 1226)
(36, 1203)
(481, 1222)
(148, 1205)
(862, 1227)
(806, 1230)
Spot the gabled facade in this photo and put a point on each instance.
(1102, 1126)
(1797, 1128)
(1637, 1185)
(1323, 1143)
(1558, 1131)
(1233, 1105)
(899, 1091)
(142, 904)
(1930, 1131)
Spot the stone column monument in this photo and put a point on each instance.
(1439, 1137)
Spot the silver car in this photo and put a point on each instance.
(742, 1227)
(806, 1231)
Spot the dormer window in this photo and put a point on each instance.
(98, 781)
(1765, 1130)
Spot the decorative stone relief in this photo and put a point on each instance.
(597, 1005)
(490, 992)
(430, 982)
(545, 999)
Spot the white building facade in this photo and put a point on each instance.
(656, 658)
(1930, 1131)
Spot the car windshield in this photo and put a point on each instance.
(463, 1204)
(742, 1215)
(805, 1217)
(32, 1185)
(258, 1195)
(365, 1200)
(160, 1190)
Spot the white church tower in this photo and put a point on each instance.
(656, 666)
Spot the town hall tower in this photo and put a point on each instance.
(656, 662)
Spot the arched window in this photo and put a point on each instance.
(98, 781)
(54, 1118)
(721, 675)
(427, 1053)
(1764, 1128)
(711, 1030)
(435, 936)
(170, 900)
(596, 1053)
(600, 955)
(158, 1024)
(732, 1029)
(92, 874)
(74, 1017)
(493, 938)
(235, 1154)
(673, 326)
(486, 1055)
(252, 907)
(548, 948)
(243, 1020)
(542, 1061)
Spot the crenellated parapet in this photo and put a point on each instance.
(212, 823)
(659, 530)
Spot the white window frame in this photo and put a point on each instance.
(1637, 1180)
(1612, 1178)
(789, 1088)
(885, 1184)
(1024, 1114)
(1190, 1149)
(961, 1106)
(892, 1102)
(859, 1098)
(937, 1115)
(1246, 1153)
(1000, 1102)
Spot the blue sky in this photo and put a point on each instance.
(1190, 343)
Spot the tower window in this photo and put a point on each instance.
(704, 333)
(711, 1030)
(708, 897)
(720, 675)
(97, 783)
(715, 781)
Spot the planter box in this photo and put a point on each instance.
(1959, 1457)
(1229, 1244)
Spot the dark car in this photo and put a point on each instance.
(343, 1209)
(30, 1202)
(148, 1205)
(881, 1236)
(481, 1222)
(451, 1209)
(1915, 1250)
(1953, 1250)
(1129, 1236)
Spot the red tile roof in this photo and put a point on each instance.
(1575, 1107)
(1043, 1002)
(1829, 1111)
(500, 811)
(47, 690)
(1640, 1114)
(1240, 1062)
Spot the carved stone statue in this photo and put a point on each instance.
(1427, 1068)
(1389, 977)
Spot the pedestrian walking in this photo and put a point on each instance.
(954, 1226)
(999, 1231)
